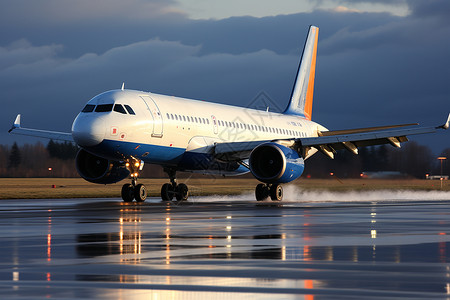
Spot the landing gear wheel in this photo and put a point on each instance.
(167, 192)
(261, 192)
(140, 193)
(276, 192)
(182, 192)
(127, 192)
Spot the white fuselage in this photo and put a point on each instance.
(164, 127)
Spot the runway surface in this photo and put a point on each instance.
(328, 246)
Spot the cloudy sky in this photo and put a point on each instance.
(379, 62)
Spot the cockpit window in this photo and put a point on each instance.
(88, 108)
(104, 108)
(119, 108)
(129, 109)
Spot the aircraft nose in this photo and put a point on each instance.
(88, 131)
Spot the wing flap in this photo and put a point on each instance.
(359, 130)
(365, 138)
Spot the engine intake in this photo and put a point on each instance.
(274, 163)
(98, 169)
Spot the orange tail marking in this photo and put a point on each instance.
(310, 91)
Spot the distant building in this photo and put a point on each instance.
(436, 177)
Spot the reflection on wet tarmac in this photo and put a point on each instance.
(104, 249)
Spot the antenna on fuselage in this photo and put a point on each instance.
(123, 86)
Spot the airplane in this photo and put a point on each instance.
(119, 131)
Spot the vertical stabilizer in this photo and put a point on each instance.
(302, 94)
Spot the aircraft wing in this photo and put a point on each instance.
(329, 141)
(53, 135)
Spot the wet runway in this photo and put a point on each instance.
(345, 246)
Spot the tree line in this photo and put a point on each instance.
(58, 160)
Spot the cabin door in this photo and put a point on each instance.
(156, 115)
(214, 122)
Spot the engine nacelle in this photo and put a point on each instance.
(274, 163)
(99, 170)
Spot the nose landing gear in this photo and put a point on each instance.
(134, 191)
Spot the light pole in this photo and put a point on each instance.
(441, 158)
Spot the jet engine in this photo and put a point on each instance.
(99, 170)
(274, 163)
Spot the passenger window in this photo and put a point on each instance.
(88, 108)
(119, 108)
(104, 108)
(129, 109)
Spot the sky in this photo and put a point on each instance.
(379, 62)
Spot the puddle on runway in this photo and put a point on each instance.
(221, 251)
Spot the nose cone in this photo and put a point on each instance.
(87, 130)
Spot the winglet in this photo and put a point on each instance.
(446, 124)
(16, 123)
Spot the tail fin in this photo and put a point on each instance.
(302, 94)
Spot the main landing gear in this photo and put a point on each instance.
(169, 190)
(264, 191)
(134, 190)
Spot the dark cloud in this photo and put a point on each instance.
(373, 68)
(389, 2)
(431, 9)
